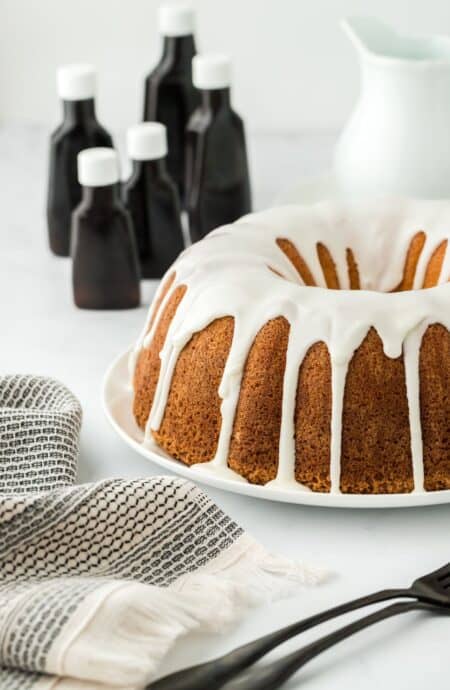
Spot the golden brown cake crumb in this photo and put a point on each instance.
(353, 273)
(296, 260)
(148, 364)
(256, 432)
(376, 445)
(191, 423)
(412, 259)
(313, 420)
(434, 373)
(328, 267)
(434, 267)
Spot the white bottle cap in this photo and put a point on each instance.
(147, 141)
(98, 167)
(211, 71)
(76, 82)
(176, 20)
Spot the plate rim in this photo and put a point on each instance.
(113, 380)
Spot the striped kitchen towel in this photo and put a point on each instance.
(97, 581)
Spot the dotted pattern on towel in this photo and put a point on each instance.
(40, 422)
(59, 542)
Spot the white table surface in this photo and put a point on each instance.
(43, 333)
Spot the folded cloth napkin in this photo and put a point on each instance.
(97, 581)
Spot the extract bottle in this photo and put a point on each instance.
(217, 178)
(105, 273)
(79, 130)
(151, 197)
(170, 96)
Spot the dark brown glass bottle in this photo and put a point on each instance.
(151, 197)
(105, 272)
(217, 177)
(79, 130)
(170, 96)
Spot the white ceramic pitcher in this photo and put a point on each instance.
(397, 141)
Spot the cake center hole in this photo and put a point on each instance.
(432, 274)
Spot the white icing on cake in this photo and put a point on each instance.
(227, 274)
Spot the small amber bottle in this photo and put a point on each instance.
(170, 97)
(217, 176)
(151, 197)
(105, 266)
(79, 130)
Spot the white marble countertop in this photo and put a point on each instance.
(43, 333)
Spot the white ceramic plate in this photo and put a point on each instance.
(117, 399)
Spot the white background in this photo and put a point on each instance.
(294, 68)
(295, 75)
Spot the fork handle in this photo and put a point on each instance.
(212, 675)
(275, 674)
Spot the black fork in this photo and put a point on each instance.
(431, 590)
(274, 675)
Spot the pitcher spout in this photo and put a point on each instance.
(372, 37)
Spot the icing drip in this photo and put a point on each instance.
(298, 344)
(235, 272)
(230, 386)
(411, 355)
(338, 378)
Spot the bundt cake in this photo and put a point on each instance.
(307, 347)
